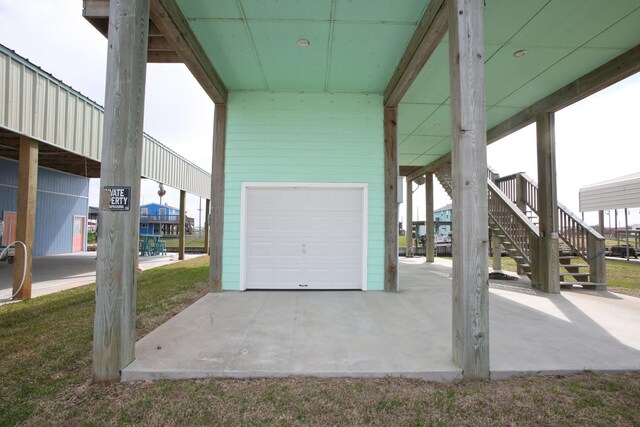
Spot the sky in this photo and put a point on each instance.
(596, 139)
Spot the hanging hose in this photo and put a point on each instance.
(24, 264)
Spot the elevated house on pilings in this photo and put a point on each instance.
(322, 105)
(51, 143)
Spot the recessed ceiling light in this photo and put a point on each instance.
(520, 53)
(303, 43)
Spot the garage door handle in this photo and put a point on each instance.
(303, 286)
(304, 249)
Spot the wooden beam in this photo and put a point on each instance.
(182, 230)
(115, 318)
(217, 197)
(168, 17)
(429, 208)
(429, 32)
(408, 201)
(470, 333)
(163, 57)
(612, 72)
(207, 205)
(391, 170)
(549, 271)
(26, 217)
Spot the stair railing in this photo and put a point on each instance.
(515, 225)
(583, 240)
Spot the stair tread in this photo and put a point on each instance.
(574, 274)
(574, 265)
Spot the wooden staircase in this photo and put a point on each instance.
(513, 219)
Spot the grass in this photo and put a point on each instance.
(45, 349)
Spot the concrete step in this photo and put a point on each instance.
(586, 285)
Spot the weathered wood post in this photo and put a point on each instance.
(497, 252)
(207, 205)
(391, 173)
(428, 223)
(183, 223)
(548, 204)
(114, 325)
(469, 172)
(408, 200)
(26, 217)
(217, 197)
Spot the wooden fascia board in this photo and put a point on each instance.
(432, 27)
(612, 72)
(168, 17)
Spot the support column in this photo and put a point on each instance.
(497, 253)
(428, 223)
(549, 264)
(217, 197)
(391, 173)
(114, 325)
(25, 217)
(601, 222)
(183, 223)
(207, 205)
(409, 223)
(469, 172)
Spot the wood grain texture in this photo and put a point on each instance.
(408, 223)
(428, 34)
(207, 207)
(391, 171)
(183, 217)
(429, 208)
(547, 204)
(26, 216)
(469, 173)
(114, 325)
(612, 72)
(217, 197)
(168, 17)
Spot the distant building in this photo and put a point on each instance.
(162, 219)
(444, 214)
(61, 209)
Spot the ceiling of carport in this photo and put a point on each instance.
(355, 46)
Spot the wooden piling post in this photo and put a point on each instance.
(391, 173)
(114, 325)
(207, 205)
(429, 208)
(183, 223)
(26, 217)
(217, 197)
(470, 333)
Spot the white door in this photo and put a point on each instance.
(298, 237)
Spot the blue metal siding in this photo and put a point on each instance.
(60, 197)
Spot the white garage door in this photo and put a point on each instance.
(304, 237)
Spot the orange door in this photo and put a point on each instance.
(9, 228)
(78, 233)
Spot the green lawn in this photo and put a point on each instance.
(45, 368)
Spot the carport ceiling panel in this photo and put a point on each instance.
(437, 124)
(624, 35)
(364, 55)
(253, 43)
(571, 67)
(229, 43)
(572, 23)
(417, 144)
(276, 44)
(503, 18)
(410, 116)
(424, 160)
(432, 84)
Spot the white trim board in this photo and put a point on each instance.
(246, 188)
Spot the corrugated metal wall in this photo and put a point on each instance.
(60, 197)
(618, 193)
(36, 104)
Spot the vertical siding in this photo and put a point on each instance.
(308, 137)
(60, 197)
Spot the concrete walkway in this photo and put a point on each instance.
(374, 334)
(55, 273)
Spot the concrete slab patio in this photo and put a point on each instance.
(374, 334)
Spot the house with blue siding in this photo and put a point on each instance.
(443, 231)
(162, 219)
(62, 204)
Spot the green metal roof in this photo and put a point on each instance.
(355, 46)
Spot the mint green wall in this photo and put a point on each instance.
(303, 137)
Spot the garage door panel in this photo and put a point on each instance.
(304, 238)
